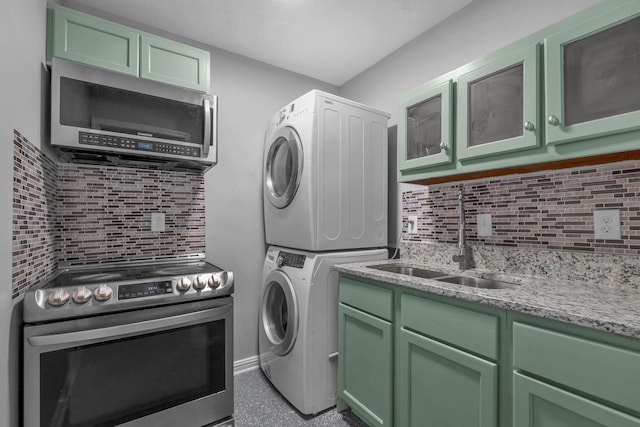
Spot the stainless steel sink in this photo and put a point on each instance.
(408, 270)
(476, 282)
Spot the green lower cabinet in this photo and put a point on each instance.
(537, 404)
(365, 361)
(441, 386)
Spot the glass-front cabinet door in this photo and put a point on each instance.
(498, 106)
(593, 77)
(425, 127)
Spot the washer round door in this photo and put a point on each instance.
(279, 313)
(283, 167)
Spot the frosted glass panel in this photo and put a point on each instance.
(424, 127)
(602, 74)
(496, 105)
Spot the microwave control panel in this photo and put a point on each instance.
(87, 138)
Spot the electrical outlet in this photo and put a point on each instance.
(485, 226)
(157, 221)
(412, 222)
(606, 224)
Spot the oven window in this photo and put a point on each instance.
(113, 382)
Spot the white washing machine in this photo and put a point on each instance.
(325, 175)
(298, 331)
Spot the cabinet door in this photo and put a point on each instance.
(175, 63)
(592, 73)
(537, 404)
(365, 362)
(84, 38)
(439, 385)
(498, 106)
(425, 134)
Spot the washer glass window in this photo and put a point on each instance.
(280, 313)
(283, 167)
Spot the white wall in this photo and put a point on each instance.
(480, 28)
(249, 93)
(22, 43)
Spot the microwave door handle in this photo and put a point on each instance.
(206, 141)
(121, 331)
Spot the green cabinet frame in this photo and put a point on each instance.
(97, 42)
(556, 129)
(530, 137)
(538, 404)
(365, 363)
(175, 63)
(424, 93)
(80, 37)
(439, 385)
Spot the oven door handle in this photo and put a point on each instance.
(122, 331)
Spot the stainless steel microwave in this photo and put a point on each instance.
(103, 117)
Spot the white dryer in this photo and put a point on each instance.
(298, 329)
(325, 175)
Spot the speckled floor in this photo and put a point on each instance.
(258, 403)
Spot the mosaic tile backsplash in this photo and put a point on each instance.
(545, 210)
(34, 215)
(105, 212)
(65, 212)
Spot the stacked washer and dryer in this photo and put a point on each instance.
(325, 203)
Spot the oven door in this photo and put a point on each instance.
(163, 366)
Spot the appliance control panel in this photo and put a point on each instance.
(287, 259)
(97, 139)
(138, 290)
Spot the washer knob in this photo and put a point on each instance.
(58, 297)
(214, 281)
(200, 282)
(102, 293)
(81, 295)
(184, 284)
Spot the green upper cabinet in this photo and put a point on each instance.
(498, 106)
(592, 73)
(425, 127)
(93, 41)
(80, 37)
(175, 63)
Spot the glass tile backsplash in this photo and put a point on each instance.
(69, 212)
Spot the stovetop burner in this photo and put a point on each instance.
(93, 288)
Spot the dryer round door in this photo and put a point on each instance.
(279, 313)
(283, 167)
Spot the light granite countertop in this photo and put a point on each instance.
(586, 303)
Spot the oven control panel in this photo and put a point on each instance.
(53, 303)
(140, 290)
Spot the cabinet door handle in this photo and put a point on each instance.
(443, 146)
(553, 120)
(529, 126)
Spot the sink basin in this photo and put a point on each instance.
(407, 270)
(476, 282)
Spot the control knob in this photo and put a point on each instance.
(81, 295)
(214, 281)
(103, 293)
(200, 282)
(58, 297)
(183, 284)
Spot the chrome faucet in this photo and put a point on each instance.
(463, 252)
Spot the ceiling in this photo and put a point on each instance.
(330, 40)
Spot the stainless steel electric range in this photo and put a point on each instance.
(137, 343)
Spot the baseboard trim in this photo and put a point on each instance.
(244, 365)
